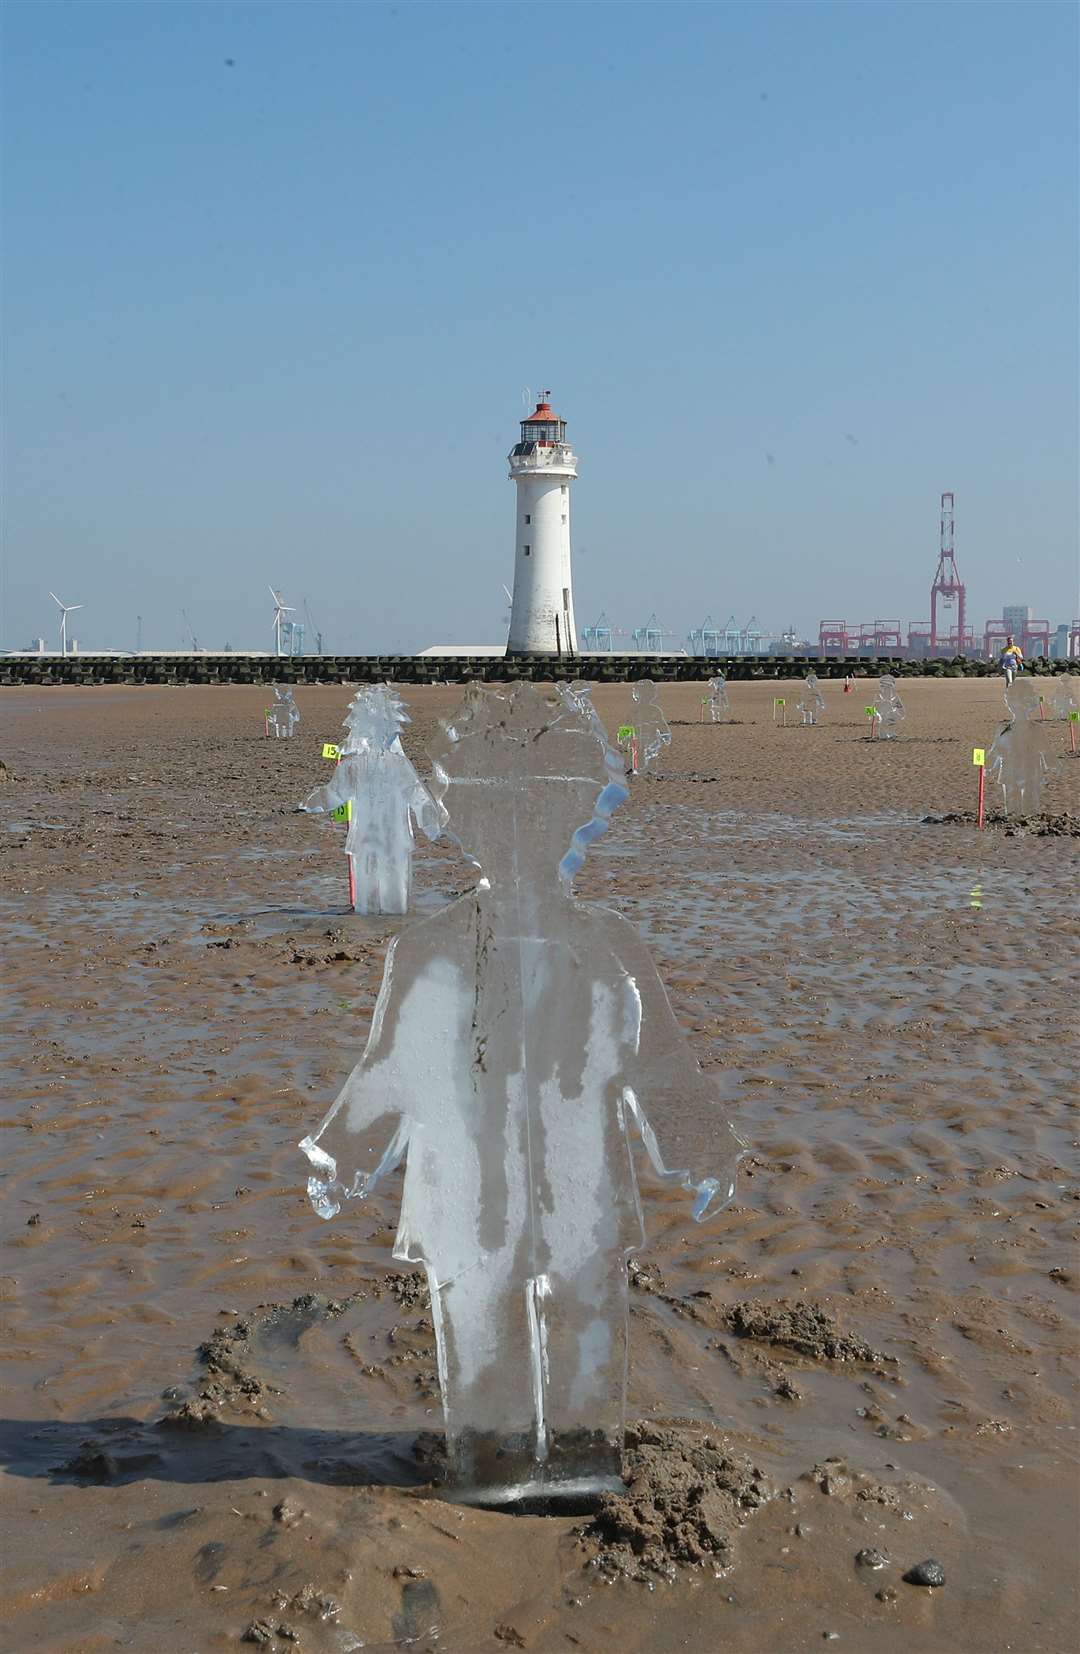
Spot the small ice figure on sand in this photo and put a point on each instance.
(812, 702)
(382, 794)
(519, 1038)
(719, 703)
(1016, 760)
(889, 711)
(1066, 695)
(283, 717)
(652, 732)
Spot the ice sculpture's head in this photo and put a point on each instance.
(528, 778)
(646, 693)
(374, 719)
(1022, 700)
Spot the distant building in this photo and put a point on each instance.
(1015, 617)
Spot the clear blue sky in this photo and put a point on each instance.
(276, 276)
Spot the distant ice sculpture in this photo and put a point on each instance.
(812, 702)
(889, 711)
(1066, 695)
(1016, 760)
(652, 731)
(520, 1044)
(384, 794)
(719, 703)
(283, 717)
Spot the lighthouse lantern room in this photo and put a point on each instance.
(543, 465)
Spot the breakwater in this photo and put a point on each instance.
(90, 670)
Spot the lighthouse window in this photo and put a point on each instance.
(527, 550)
(528, 518)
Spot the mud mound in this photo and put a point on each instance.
(685, 1499)
(805, 1328)
(230, 1358)
(1046, 825)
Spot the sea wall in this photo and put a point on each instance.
(91, 669)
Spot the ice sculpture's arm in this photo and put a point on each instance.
(666, 1078)
(330, 796)
(370, 1094)
(430, 817)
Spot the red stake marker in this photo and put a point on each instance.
(978, 758)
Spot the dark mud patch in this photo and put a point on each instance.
(807, 1329)
(231, 1356)
(686, 1497)
(1047, 825)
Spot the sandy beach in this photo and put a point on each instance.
(877, 1336)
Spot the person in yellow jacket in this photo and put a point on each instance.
(1011, 659)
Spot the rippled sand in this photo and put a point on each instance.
(889, 1012)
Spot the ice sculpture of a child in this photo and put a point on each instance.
(889, 711)
(385, 794)
(283, 717)
(1016, 760)
(519, 1038)
(652, 733)
(812, 702)
(1066, 695)
(719, 702)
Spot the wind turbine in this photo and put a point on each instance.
(280, 611)
(65, 610)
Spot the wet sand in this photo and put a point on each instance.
(887, 1008)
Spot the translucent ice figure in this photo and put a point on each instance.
(283, 717)
(384, 793)
(1016, 760)
(889, 711)
(519, 1038)
(812, 702)
(719, 704)
(651, 728)
(1066, 695)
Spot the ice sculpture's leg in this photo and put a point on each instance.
(585, 1353)
(487, 1375)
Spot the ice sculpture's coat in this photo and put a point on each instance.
(519, 1041)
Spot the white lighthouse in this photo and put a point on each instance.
(543, 465)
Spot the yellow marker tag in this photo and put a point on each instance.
(343, 811)
(627, 732)
(871, 711)
(1074, 717)
(978, 756)
(779, 701)
(330, 750)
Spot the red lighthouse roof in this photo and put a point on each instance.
(543, 410)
